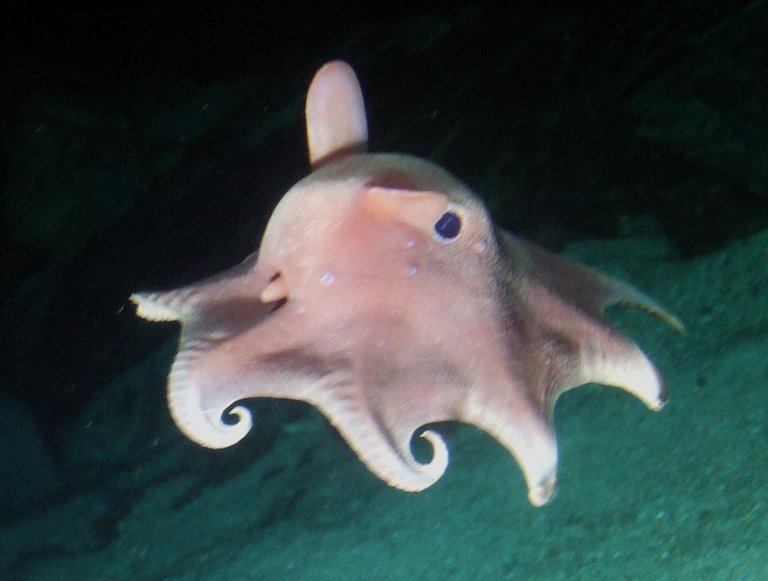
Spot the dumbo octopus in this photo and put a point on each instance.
(383, 295)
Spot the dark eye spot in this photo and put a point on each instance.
(448, 226)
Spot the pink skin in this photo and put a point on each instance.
(356, 305)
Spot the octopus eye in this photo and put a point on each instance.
(447, 227)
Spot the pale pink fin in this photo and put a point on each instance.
(335, 112)
(589, 289)
(160, 306)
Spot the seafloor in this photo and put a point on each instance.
(678, 494)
